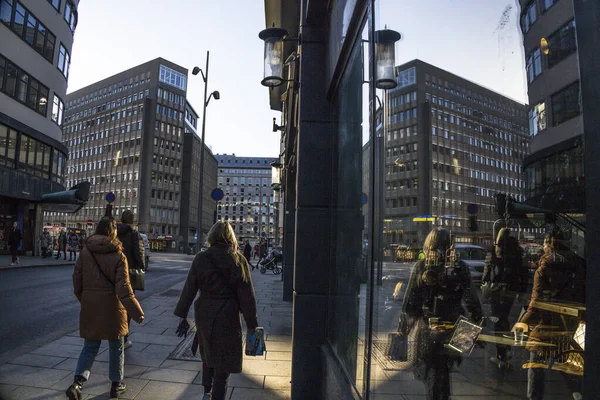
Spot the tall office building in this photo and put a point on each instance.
(35, 52)
(191, 182)
(248, 202)
(450, 145)
(125, 135)
(554, 170)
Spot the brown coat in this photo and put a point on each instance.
(223, 295)
(104, 305)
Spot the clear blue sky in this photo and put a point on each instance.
(113, 35)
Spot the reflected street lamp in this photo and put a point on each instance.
(217, 96)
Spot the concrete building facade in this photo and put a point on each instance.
(554, 170)
(35, 52)
(249, 199)
(126, 135)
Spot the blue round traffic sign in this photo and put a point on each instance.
(472, 208)
(364, 198)
(255, 229)
(217, 194)
(110, 197)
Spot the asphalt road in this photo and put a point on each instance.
(37, 305)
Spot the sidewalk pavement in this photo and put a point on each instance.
(45, 373)
(33, 261)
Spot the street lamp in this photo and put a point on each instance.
(217, 96)
(385, 54)
(273, 68)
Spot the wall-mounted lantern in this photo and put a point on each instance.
(385, 56)
(276, 175)
(273, 73)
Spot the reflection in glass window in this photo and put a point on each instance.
(406, 78)
(561, 44)
(57, 110)
(64, 61)
(534, 65)
(71, 15)
(537, 118)
(529, 17)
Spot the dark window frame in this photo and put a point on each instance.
(67, 61)
(560, 36)
(61, 110)
(560, 99)
(72, 18)
(525, 16)
(39, 108)
(48, 56)
(57, 8)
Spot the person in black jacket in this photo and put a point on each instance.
(436, 289)
(133, 247)
(222, 277)
(506, 277)
(14, 241)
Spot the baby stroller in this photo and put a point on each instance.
(271, 261)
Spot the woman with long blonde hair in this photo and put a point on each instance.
(222, 277)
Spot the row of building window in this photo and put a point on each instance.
(242, 181)
(169, 112)
(29, 28)
(172, 77)
(164, 195)
(478, 98)
(470, 156)
(564, 105)
(21, 86)
(560, 45)
(169, 129)
(70, 13)
(18, 150)
(109, 106)
(167, 145)
(471, 112)
(530, 12)
(165, 161)
(158, 177)
(249, 171)
(405, 98)
(71, 143)
(126, 84)
(170, 96)
(119, 126)
(243, 161)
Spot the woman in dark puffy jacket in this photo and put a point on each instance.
(222, 277)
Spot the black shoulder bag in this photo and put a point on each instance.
(136, 275)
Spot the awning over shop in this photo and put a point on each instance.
(67, 201)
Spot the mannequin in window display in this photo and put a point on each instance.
(436, 291)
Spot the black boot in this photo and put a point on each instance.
(116, 389)
(74, 391)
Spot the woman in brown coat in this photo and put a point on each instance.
(222, 276)
(101, 283)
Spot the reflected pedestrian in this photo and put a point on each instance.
(222, 277)
(73, 244)
(14, 241)
(101, 284)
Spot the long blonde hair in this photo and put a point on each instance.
(222, 233)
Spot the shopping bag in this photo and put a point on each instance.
(255, 342)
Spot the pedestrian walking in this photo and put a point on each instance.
(248, 253)
(62, 244)
(133, 247)
(222, 277)
(101, 284)
(73, 244)
(14, 241)
(45, 240)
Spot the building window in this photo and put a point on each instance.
(407, 77)
(22, 87)
(8, 146)
(537, 119)
(561, 44)
(529, 16)
(57, 110)
(172, 77)
(28, 28)
(534, 65)
(71, 15)
(546, 4)
(64, 61)
(565, 104)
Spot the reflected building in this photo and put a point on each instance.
(35, 53)
(554, 170)
(248, 204)
(126, 135)
(450, 145)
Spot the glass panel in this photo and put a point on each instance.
(40, 38)
(19, 20)
(23, 149)
(6, 10)
(49, 47)
(12, 145)
(30, 33)
(10, 87)
(31, 148)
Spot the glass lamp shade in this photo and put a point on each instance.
(385, 55)
(273, 57)
(275, 174)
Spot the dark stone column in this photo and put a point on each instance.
(289, 236)
(314, 172)
(587, 15)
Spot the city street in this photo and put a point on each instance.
(38, 305)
